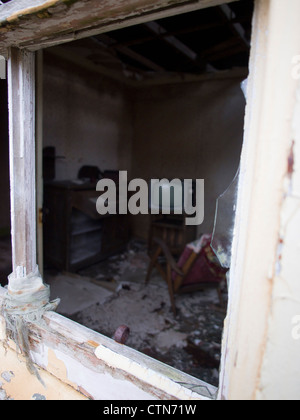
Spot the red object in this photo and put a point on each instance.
(206, 268)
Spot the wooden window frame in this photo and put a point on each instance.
(249, 296)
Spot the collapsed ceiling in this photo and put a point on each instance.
(205, 41)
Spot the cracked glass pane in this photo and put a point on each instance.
(225, 215)
(224, 223)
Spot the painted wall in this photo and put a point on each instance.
(86, 117)
(189, 130)
(192, 130)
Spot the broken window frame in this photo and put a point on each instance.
(72, 340)
(148, 376)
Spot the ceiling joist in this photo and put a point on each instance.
(236, 27)
(174, 42)
(129, 53)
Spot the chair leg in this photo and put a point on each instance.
(152, 264)
(171, 291)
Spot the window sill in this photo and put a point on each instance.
(103, 369)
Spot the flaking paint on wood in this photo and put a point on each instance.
(21, 81)
(37, 25)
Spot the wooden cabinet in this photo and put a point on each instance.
(75, 235)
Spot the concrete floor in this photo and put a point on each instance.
(113, 293)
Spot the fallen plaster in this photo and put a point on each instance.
(191, 342)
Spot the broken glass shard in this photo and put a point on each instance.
(224, 223)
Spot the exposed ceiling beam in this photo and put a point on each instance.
(222, 50)
(158, 29)
(237, 28)
(184, 31)
(111, 43)
(36, 24)
(225, 54)
(221, 46)
(155, 37)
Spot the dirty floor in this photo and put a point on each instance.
(114, 293)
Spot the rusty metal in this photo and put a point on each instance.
(122, 334)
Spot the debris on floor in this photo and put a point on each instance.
(113, 294)
(81, 291)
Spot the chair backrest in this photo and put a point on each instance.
(199, 265)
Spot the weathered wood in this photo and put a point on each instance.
(21, 82)
(131, 53)
(39, 158)
(260, 360)
(236, 27)
(68, 351)
(178, 45)
(158, 79)
(37, 24)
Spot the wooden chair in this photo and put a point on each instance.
(197, 269)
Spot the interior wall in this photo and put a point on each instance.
(87, 118)
(190, 130)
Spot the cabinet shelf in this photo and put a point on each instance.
(76, 236)
(82, 231)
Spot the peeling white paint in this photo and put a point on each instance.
(39, 397)
(40, 27)
(7, 376)
(260, 358)
(283, 345)
(2, 328)
(145, 374)
(102, 386)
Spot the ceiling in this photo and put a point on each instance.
(205, 41)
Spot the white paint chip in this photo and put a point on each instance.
(7, 376)
(2, 328)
